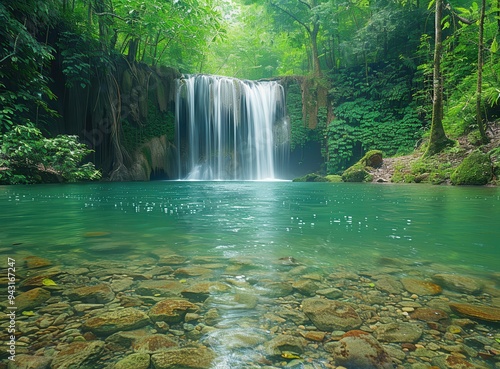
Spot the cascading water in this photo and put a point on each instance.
(228, 129)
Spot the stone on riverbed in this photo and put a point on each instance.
(171, 310)
(200, 291)
(31, 299)
(421, 287)
(389, 284)
(164, 288)
(399, 332)
(78, 355)
(189, 358)
(98, 294)
(360, 350)
(459, 283)
(117, 320)
(33, 262)
(134, 361)
(285, 343)
(30, 362)
(329, 315)
(306, 287)
(276, 289)
(153, 343)
(481, 312)
(429, 314)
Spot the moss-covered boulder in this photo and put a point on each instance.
(372, 159)
(334, 178)
(475, 169)
(312, 177)
(359, 172)
(356, 173)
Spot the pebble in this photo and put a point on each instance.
(275, 305)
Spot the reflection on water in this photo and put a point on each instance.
(258, 240)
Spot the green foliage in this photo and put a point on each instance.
(373, 115)
(157, 124)
(300, 133)
(475, 169)
(23, 63)
(25, 156)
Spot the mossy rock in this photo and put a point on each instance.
(372, 158)
(334, 178)
(312, 177)
(475, 169)
(357, 173)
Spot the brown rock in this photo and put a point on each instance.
(200, 291)
(314, 336)
(33, 262)
(153, 343)
(31, 299)
(36, 281)
(164, 288)
(389, 284)
(77, 355)
(24, 361)
(330, 315)
(456, 362)
(358, 349)
(193, 271)
(117, 320)
(171, 260)
(399, 332)
(429, 314)
(192, 358)
(481, 312)
(171, 310)
(98, 294)
(459, 283)
(421, 287)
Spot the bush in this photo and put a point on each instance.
(28, 157)
(475, 169)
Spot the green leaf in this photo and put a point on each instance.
(494, 46)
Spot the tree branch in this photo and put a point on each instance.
(112, 15)
(291, 15)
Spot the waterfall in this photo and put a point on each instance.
(229, 129)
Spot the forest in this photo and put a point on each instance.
(87, 87)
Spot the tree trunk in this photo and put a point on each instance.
(480, 52)
(314, 46)
(437, 139)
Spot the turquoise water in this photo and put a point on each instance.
(236, 234)
(321, 223)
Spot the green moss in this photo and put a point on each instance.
(359, 171)
(372, 158)
(475, 169)
(356, 173)
(312, 177)
(333, 178)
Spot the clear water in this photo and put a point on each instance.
(324, 227)
(325, 223)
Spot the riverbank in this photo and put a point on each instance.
(437, 169)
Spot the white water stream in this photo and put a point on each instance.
(228, 129)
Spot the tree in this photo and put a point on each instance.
(24, 62)
(480, 51)
(438, 139)
(305, 13)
